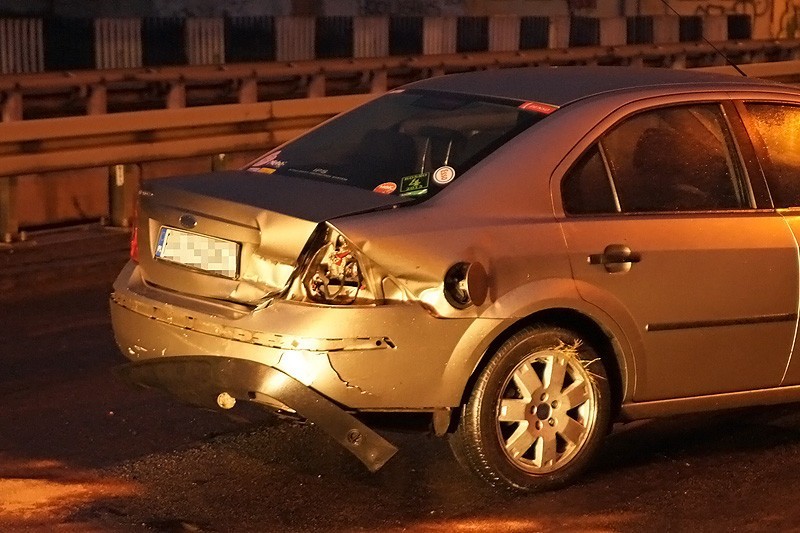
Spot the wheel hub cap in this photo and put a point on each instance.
(542, 412)
(546, 410)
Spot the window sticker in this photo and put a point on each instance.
(385, 188)
(538, 107)
(444, 175)
(414, 183)
(265, 170)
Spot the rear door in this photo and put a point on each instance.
(663, 233)
(775, 130)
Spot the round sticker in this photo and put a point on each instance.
(386, 188)
(444, 175)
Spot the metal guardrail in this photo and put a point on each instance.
(123, 142)
(98, 92)
(41, 146)
(784, 70)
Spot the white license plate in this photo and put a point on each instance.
(216, 256)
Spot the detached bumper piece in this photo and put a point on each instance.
(200, 380)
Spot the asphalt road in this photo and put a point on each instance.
(80, 451)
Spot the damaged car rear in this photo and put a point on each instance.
(279, 284)
(463, 249)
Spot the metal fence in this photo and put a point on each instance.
(55, 44)
(21, 46)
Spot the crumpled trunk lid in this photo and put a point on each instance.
(237, 235)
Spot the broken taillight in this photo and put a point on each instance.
(335, 274)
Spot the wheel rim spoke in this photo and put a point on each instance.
(571, 430)
(547, 451)
(513, 410)
(576, 394)
(554, 373)
(527, 381)
(520, 441)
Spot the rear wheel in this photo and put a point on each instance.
(538, 412)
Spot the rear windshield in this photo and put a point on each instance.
(406, 143)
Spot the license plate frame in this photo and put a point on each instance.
(203, 253)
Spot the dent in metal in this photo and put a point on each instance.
(271, 340)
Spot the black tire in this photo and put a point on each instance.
(551, 433)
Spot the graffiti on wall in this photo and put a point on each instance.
(776, 18)
(789, 20)
(754, 8)
(413, 8)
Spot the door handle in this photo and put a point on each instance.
(615, 258)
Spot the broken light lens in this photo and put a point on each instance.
(335, 274)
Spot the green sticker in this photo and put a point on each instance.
(414, 193)
(416, 182)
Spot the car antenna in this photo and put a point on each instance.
(709, 43)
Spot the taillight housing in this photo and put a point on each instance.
(336, 273)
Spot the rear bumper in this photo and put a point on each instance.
(378, 358)
(201, 380)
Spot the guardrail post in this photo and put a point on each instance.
(678, 61)
(379, 82)
(176, 97)
(248, 91)
(12, 106)
(97, 104)
(123, 185)
(316, 86)
(9, 220)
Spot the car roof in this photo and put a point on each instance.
(561, 85)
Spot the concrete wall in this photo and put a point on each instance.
(772, 19)
(216, 8)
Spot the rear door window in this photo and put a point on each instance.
(669, 159)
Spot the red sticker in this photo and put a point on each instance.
(386, 188)
(538, 107)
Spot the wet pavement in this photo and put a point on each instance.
(80, 451)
